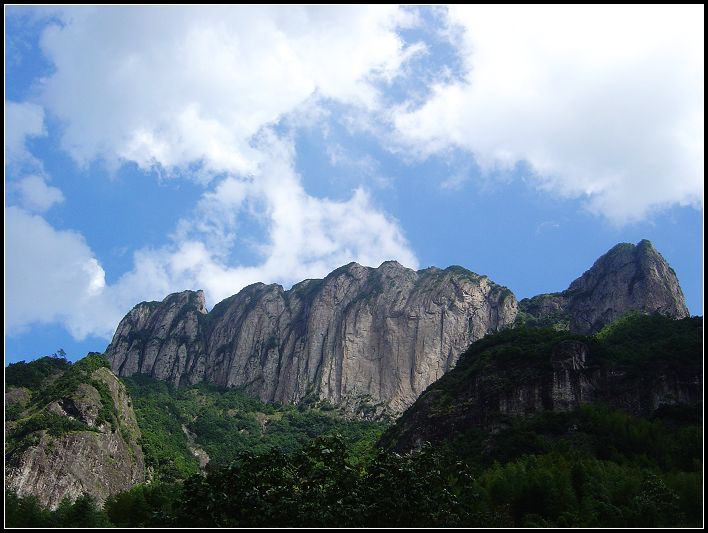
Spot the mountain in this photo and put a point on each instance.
(369, 340)
(530, 426)
(627, 278)
(70, 430)
(508, 446)
(641, 364)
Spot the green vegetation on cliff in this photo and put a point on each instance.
(638, 352)
(633, 458)
(45, 381)
(33, 374)
(51, 378)
(175, 421)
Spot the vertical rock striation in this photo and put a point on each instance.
(368, 340)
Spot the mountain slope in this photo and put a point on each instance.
(637, 365)
(185, 427)
(70, 430)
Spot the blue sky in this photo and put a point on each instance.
(150, 150)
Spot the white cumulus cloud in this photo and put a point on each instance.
(22, 121)
(197, 93)
(51, 276)
(180, 87)
(36, 195)
(603, 103)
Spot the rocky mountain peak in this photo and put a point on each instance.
(627, 278)
(391, 266)
(641, 256)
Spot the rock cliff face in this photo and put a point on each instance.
(163, 339)
(627, 278)
(67, 448)
(368, 340)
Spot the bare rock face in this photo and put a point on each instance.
(627, 278)
(367, 340)
(163, 339)
(57, 463)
